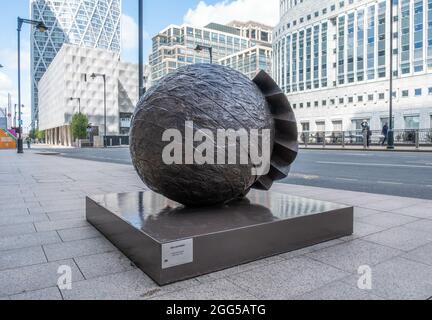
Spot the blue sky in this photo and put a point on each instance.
(157, 15)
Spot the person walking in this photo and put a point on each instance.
(28, 143)
(385, 133)
(369, 134)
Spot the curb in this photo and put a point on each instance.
(367, 150)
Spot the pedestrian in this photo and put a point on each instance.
(385, 133)
(369, 134)
(28, 143)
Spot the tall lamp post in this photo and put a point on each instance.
(390, 134)
(201, 47)
(79, 103)
(141, 47)
(103, 76)
(40, 26)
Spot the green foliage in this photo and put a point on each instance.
(79, 126)
(40, 135)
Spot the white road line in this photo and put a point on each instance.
(374, 164)
(346, 179)
(389, 182)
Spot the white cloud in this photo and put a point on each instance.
(266, 12)
(129, 33)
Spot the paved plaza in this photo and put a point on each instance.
(43, 227)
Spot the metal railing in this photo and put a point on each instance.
(402, 137)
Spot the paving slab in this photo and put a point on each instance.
(351, 255)
(43, 294)
(79, 248)
(21, 257)
(338, 290)
(399, 279)
(31, 278)
(82, 233)
(422, 254)
(61, 224)
(221, 289)
(16, 230)
(286, 279)
(387, 219)
(29, 240)
(401, 238)
(99, 265)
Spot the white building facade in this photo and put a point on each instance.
(86, 23)
(67, 88)
(332, 60)
(175, 46)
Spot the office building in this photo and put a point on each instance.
(67, 88)
(332, 59)
(86, 23)
(246, 45)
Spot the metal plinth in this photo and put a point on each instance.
(172, 243)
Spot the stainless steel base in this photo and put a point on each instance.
(172, 243)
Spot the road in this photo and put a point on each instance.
(406, 174)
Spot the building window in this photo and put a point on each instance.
(350, 99)
(418, 92)
(337, 125)
(341, 100)
(294, 106)
(370, 97)
(412, 122)
(430, 91)
(405, 93)
(308, 104)
(320, 126)
(381, 96)
(301, 105)
(316, 104)
(360, 98)
(324, 103)
(305, 126)
(332, 102)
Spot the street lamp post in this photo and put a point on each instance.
(79, 103)
(201, 47)
(41, 28)
(390, 134)
(15, 114)
(93, 76)
(141, 48)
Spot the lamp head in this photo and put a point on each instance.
(93, 76)
(41, 27)
(198, 48)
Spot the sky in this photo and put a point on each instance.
(157, 15)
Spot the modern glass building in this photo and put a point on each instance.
(332, 57)
(86, 23)
(175, 46)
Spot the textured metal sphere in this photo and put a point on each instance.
(212, 97)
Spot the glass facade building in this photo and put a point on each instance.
(335, 54)
(175, 46)
(86, 23)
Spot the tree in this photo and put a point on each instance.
(79, 126)
(40, 135)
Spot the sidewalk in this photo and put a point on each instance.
(361, 148)
(42, 227)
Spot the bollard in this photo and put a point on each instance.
(111, 142)
(120, 141)
(324, 141)
(306, 138)
(343, 139)
(417, 139)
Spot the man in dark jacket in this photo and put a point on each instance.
(385, 133)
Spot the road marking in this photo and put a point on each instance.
(347, 179)
(389, 182)
(374, 164)
(304, 176)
